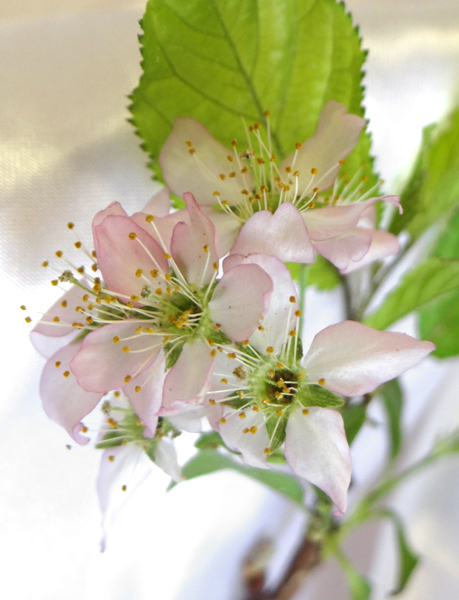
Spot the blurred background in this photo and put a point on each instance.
(66, 151)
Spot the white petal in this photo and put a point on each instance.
(165, 457)
(251, 445)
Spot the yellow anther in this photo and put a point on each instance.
(280, 365)
(292, 299)
(245, 192)
(261, 328)
(269, 349)
(246, 430)
(292, 333)
(260, 161)
(215, 266)
(230, 158)
(311, 204)
(134, 298)
(255, 409)
(139, 329)
(167, 339)
(315, 190)
(240, 394)
(45, 263)
(271, 372)
(89, 320)
(298, 146)
(84, 429)
(279, 395)
(296, 174)
(224, 380)
(213, 353)
(321, 381)
(138, 273)
(149, 329)
(206, 248)
(256, 126)
(137, 389)
(191, 150)
(127, 379)
(288, 169)
(116, 339)
(342, 162)
(123, 488)
(22, 307)
(242, 415)
(231, 355)
(265, 401)
(59, 253)
(70, 225)
(216, 194)
(222, 420)
(267, 451)
(253, 429)
(149, 218)
(298, 313)
(244, 169)
(212, 402)
(314, 171)
(189, 144)
(129, 305)
(117, 394)
(222, 176)
(158, 292)
(94, 255)
(68, 446)
(234, 142)
(279, 412)
(154, 273)
(57, 364)
(111, 458)
(54, 282)
(94, 267)
(56, 319)
(267, 113)
(166, 255)
(232, 174)
(225, 203)
(80, 270)
(66, 373)
(126, 349)
(63, 304)
(305, 411)
(132, 235)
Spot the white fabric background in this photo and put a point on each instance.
(66, 151)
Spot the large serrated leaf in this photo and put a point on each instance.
(428, 282)
(209, 461)
(220, 60)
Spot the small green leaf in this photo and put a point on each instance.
(408, 558)
(276, 431)
(323, 275)
(210, 461)
(316, 395)
(220, 60)
(428, 282)
(210, 439)
(359, 587)
(392, 397)
(172, 351)
(354, 417)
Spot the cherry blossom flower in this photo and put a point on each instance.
(259, 207)
(264, 393)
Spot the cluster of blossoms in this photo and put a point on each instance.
(195, 317)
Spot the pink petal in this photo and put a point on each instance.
(130, 467)
(336, 135)
(147, 401)
(354, 359)
(332, 221)
(189, 418)
(160, 204)
(227, 227)
(189, 378)
(346, 249)
(114, 208)
(199, 173)
(101, 365)
(163, 225)
(316, 449)
(64, 401)
(251, 445)
(383, 244)
(241, 296)
(282, 234)
(194, 246)
(120, 257)
(280, 318)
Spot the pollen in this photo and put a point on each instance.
(298, 146)
(288, 169)
(68, 446)
(45, 263)
(321, 381)
(314, 171)
(57, 364)
(166, 255)
(246, 430)
(224, 380)
(269, 349)
(342, 162)
(253, 429)
(232, 174)
(63, 304)
(28, 320)
(132, 235)
(66, 373)
(305, 411)
(267, 451)
(213, 353)
(234, 142)
(54, 282)
(292, 299)
(267, 113)
(261, 328)
(134, 299)
(292, 333)
(298, 313)
(191, 150)
(111, 458)
(154, 273)
(56, 319)
(242, 415)
(240, 394)
(123, 488)
(59, 253)
(255, 409)
(158, 292)
(149, 218)
(206, 248)
(189, 144)
(127, 379)
(94, 267)
(222, 420)
(70, 225)
(138, 273)
(89, 320)
(245, 192)
(231, 355)
(280, 412)
(222, 176)
(126, 349)
(271, 372)
(280, 365)
(216, 194)
(230, 158)
(212, 402)
(244, 169)
(215, 266)
(137, 389)
(260, 161)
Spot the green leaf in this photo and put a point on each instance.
(408, 558)
(210, 439)
(173, 351)
(359, 587)
(316, 395)
(276, 431)
(220, 60)
(439, 323)
(433, 188)
(354, 417)
(210, 461)
(323, 275)
(429, 281)
(392, 397)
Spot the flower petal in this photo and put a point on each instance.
(165, 457)
(199, 172)
(345, 249)
(189, 378)
(251, 445)
(354, 359)
(227, 227)
(332, 221)
(146, 402)
(316, 448)
(102, 365)
(194, 246)
(163, 225)
(160, 204)
(336, 135)
(383, 244)
(120, 257)
(64, 401)
(112, 209)
(241, 296)
(282, 234)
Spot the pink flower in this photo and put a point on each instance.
(264, 393)
(275, 210)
